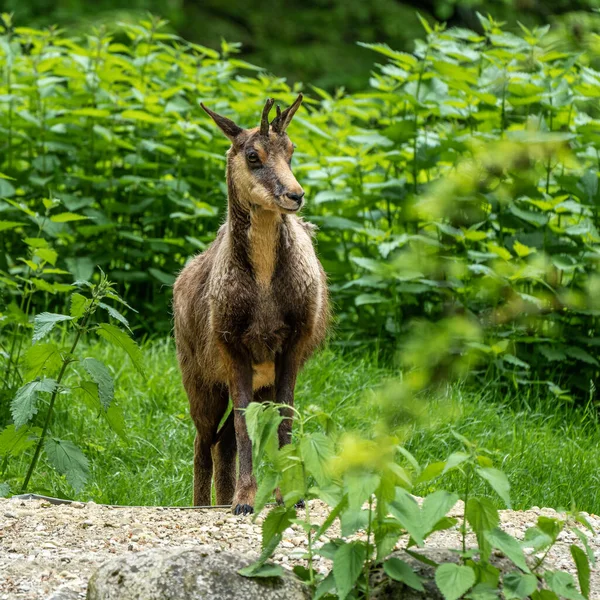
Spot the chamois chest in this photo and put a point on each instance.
(273, 296)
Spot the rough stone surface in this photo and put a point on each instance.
(67, 591)
(187, 573)
(47, 549)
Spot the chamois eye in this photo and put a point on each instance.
(253, 157)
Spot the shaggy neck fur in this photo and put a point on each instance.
(254, 235)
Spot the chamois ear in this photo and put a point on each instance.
(227, 126)
(283, 119)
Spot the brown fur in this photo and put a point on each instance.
(249, 310)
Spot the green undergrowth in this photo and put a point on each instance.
(550, 457)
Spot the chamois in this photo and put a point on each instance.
(250, 309)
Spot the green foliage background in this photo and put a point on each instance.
(462, 186)
(458, 204)
(314, 40)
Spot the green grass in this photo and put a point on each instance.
(551, 455)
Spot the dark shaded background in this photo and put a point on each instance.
(311, 40)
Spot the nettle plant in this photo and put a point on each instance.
(518, 238)
(116, 131)
(366, 485)
(40, 368)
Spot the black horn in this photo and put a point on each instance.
(283, 119)
(264, 122)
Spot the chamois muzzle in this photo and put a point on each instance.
(297, 198)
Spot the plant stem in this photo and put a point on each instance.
(368, 561)
(66, 362)
(464, 523)
(415, 140)
(311, 570)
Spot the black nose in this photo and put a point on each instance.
(296, 197)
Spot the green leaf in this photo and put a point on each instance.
(24, 404)
(582, 355)
(435, 507)
(535, 538)
(517, 585)
(6, 189)
(370, 264)
(266, 570)
(140, 115)
(387, 534)
(266, 553)
(48, 255)
(4, 489)
(406, 510)
(421, 558)
(115, 314)
(266, 487)
(535, 218)
(454, 460)
(165, 278)
(403, 57)
(509, 546)
(325, 586)
(45, 322)
(316, 450)
(102, 378)
(453, 580)
(79, 304)
(401, 571)
(550, 526)
(425, 24)
(499, 482)
(482, 516)
(431, 471)
(340, 507)
(348, 563)
(42, 357)
(114, 415)
(359, 487)
(586, 544)
(262, 423)
(68, 460)
(14, 443)
(483, 591)
(364, 299)
(353, 520)
(544, 595)
(276, 522)
(119, 338)
(4, 225)
(583, 569)
(562, 584)
(67, 217)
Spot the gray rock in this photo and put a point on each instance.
(69, 591)
(187, 573)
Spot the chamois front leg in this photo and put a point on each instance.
(241, 395)
(287, 365)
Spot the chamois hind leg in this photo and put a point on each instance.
(224, 454)
(240, 386)
(207, 406)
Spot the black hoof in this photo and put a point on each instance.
(243, 509)
(300, 503)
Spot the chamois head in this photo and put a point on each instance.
(259, 160)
